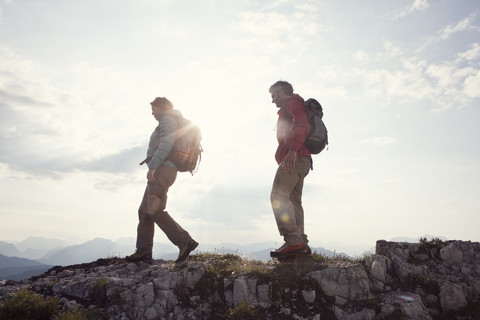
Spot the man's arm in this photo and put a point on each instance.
(300, 130)
(300, 125)
(168, 128)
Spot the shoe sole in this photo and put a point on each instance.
(295, 259)
(140, 259)
(274, 254)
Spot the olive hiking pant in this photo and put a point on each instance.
(152, 212)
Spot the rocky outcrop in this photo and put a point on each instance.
(425, 280)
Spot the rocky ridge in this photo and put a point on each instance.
(425, 280)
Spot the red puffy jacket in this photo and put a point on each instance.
(292, 128)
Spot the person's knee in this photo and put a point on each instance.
(275, 200)
(155, 205)
(278, 195)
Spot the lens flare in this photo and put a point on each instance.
(154, 204)
(276, 204)
(285, 218)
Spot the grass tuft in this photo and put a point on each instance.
(243, 312)
(26, 305)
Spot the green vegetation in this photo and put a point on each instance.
(229, 264)
(428, 285)
(117, 297)
(397, 314)
(244, 312)
(26, 305)
(328, 260)
(53, 282)
(426, 246)
(99, 292)
(219, 267)
(80, 314)
(279, 274)
(283, 274)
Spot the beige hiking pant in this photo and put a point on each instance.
(286, 198)
(152, 212)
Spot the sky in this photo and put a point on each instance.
(399, 82)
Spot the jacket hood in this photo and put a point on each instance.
(174, 113)
(296, 97)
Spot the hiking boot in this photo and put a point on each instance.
(185, 250)
(285, 251)
(139, 256)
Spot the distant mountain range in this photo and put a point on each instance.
(14, 268)
(36, 254)
(43, 253)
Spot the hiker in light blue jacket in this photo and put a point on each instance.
(161, 175)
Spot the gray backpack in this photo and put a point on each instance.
(317, 139)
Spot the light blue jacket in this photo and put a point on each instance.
(162, 139)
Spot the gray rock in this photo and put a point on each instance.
(308, 296)
(145, 295)
(263, 292)
(452, 254)
(228, 291)
(415, 311)
(151, 314)
(165, 281)
(452, 297)
(240, 291)
(364, 314)
(252, 292)
(192, 277)
(132, 267)
(166, 298)
(378, 268)
(349, 282)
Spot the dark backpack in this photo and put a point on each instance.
(317, 139)
(186, 152)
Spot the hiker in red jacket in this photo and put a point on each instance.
(294, 163)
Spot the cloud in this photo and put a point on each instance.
(471, 54)
(462, 25)
(402, 76)
(460, 82)
(272, 29)
(361, 56)
(445, 33)
(47, 130)
(123, 161)
(448, 76)
(404, 81)
(472, 85)
(417, 5)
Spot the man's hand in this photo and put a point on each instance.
(151, 175)
(289, 162)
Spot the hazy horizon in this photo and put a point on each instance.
(338, 247)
